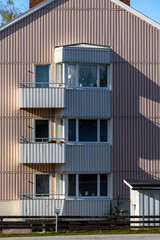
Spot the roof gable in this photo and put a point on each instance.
(43, 4)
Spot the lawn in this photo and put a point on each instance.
(126, 231)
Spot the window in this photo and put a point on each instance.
(72, 185)
(42, 185)
(103, 76)
(87, 75)
(82, 130)
(103, 131)
(41, 130)
(89, 185)
(103, 184)
(87, 130)
(72, 130)
(42, 75)
(71, 74)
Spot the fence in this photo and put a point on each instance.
(78, 223)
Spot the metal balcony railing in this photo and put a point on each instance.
(41, 196)
(41, 140)
(41, 85)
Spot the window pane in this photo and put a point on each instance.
(71, 74)
(88, 185)
(41, 130)
(72, 130)
(72, 185)
(103, 75)
(88, 130)
(42, 75)
(103, 184)
(87, 75)
(42, 185)
(103, 131)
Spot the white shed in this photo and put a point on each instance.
(144, 197)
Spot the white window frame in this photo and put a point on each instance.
(109, 186)
(109, 76)
(109, 131)
(34, 186)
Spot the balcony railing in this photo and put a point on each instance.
(32, 205)
(42, 150)
(42, 95)
(41, 85)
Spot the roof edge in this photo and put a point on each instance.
(137, 13)
(43, 4)
(25, 14)
(127, 183)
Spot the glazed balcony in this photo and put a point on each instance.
(42, 150)
(42, 95)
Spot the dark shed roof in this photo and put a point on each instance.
(143, 184)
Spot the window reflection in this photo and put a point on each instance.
(71, 75)
(87, 75)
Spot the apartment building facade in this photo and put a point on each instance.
(79, 109)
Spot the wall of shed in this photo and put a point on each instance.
(135, 98)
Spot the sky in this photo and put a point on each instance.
(150, 8)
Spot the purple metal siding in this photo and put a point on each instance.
(135, 48)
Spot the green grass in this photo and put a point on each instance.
(126, 231)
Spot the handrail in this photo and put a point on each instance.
(42, 140)
(43, 196)
(40, 84)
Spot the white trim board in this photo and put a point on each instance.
(43, 4)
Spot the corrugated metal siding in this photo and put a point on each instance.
(149, 203)
(88, 103)
(42, 98)
(46, 207)
(87, 207)
(41, 207)
(135, 100)
(80, 55)
(42, 153)
(84, 158)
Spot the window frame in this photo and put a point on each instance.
(98, 76)
(34, 186)
(98, 132)
(98, 187)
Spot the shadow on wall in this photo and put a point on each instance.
(136, 132)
